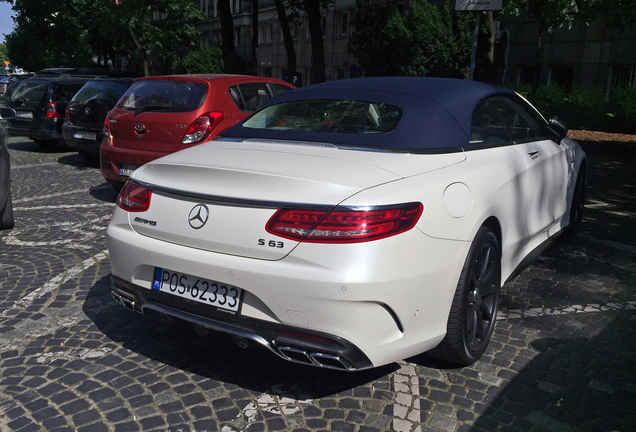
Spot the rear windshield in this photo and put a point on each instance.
(164, 95)
(327, 116)
(64, 91)
(30, 91)
(101, 92)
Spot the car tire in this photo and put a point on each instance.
(473, 313)
(7, 222)
(576, 207)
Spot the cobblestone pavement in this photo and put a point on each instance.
(562, 356)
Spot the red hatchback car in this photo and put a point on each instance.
(160, 115)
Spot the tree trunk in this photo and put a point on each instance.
(312, 7)
(536, 77)
(254, 36)
(227, 34)
(287, 37)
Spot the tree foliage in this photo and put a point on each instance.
(421, 41)
(79, 33)
(205, 61)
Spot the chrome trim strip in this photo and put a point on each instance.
(262, 204)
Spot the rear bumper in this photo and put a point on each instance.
(80, 144)
(389, 298)
(112, 158)
(279, 339)
(46, 130)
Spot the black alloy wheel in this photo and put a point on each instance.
(576, 207)
(474, 309)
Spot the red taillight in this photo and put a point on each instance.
(51, 110)
(348, 226)
(201, 128)
(67, 114)
(134, 198)
(107, 126)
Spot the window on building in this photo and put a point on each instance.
(623, 76)
(237, 36)
(526, 74)
(562, 76)
(343, 23)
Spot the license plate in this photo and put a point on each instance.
(24, 114)
(85, 135)
(201, 290)
(127, 169)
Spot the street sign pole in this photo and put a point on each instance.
(473, 54)
(476, 6)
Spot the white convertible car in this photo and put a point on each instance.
(351, 224)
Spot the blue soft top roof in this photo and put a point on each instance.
(437, 112)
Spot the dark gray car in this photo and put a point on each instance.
(6, 209)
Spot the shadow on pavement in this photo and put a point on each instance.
(104, 192)
(585, 384)
(216, 356)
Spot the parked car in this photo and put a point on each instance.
(3, 84)
(6, 208)
(40, 102)
(159, 115)
(83, 127)
(353, 223)
(12, 83)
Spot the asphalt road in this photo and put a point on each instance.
(71, 359)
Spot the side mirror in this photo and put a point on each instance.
(559, 127)
(7, 113)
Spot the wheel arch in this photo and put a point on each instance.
(493, 224)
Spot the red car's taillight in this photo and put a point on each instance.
(201, 128)
(51, 110)
(134, 198)
(67, 114)
(107, 126)
(348, 226)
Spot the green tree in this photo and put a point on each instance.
(4, 54)
(205, 61)
(86, 32)
(424, 40)
(49, 33)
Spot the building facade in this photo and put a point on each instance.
(589, 56)
(271, 57)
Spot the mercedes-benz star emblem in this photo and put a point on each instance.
(198, 216)
(87, 111)
(139, 128)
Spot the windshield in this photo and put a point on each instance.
(160, 95)
(327, 116)
(102, 92)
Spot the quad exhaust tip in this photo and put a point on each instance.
(129, 302)
(329, 361)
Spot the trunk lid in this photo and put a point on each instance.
(243, 184)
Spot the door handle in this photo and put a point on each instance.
(534, 154)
